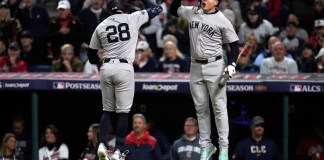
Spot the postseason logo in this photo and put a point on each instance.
(305, 88)
(58, 85)
(76, 85)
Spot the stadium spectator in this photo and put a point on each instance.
(268, 51)
(255, 24)
(317, 36)
(245, 65)
(306, 63)
(12, 62)
(257, 146)
(254, 48)
(144, 59)
(91, 16)
(172, 28)
(90, 151)
(170, 37)
(187, 146)
(310, 147)
(320, 61)
(318, 9)
(278, 63)
(67, 61)
(8, 150)
(9, 27)
(172, 60)
(141, 145)
(87, 3)
(301, 32)
(293, 43)
(30, 53)
(23, 139)
(93, 68)
(161, 137)
(34, 18)
(65, 28)
(3, 48)
(52, 146)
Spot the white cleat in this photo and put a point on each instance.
(118, 155)
(102, 152)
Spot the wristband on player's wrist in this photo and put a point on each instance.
(233, 64)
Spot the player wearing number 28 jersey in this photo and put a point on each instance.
(117, 35)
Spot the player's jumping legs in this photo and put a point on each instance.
(200, 97)
(219, 103)
(108, 99)
(121, 130)
(124, 91)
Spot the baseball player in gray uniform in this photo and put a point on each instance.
(209, 29)
(117, 35)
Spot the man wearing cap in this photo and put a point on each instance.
(143, 58)
(256, 24)
(317, 37)
(12, 62)
(29, 52)
(256, 146)
(65, 28)
(292, 42)
(34, 18)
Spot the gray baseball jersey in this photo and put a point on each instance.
(207, 32)
(118, 35)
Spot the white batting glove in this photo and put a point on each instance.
(230, 69)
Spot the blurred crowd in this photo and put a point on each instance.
(53, 36)
(146, 142)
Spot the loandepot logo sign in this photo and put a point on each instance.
(15, 85)
(159, 87)
(69, 85)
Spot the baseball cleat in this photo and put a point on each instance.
(207, 152)
(223, 154)
(118, 155)
(102, 152)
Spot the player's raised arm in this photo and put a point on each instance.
(154, 11)
(174, 7)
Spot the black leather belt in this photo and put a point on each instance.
(107, 60)
(205, 61)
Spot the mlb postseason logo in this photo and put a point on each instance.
(296, 88)
(305, 88)
(58, 85)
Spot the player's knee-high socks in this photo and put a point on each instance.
(105, 123)
(121, 130)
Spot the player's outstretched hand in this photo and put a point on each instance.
(230, 69)
(154, 11)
